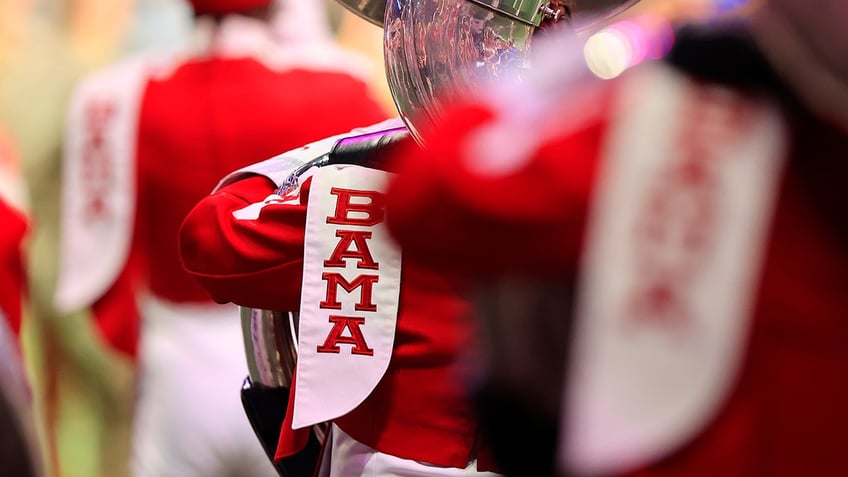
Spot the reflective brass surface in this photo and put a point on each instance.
(441, 51)
(371, 10)
(437, 51)
(528, 11)
(270, 345)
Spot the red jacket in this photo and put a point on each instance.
(785, 414)
(419, 410)
(200, 117)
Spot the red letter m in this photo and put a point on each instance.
(334, 280)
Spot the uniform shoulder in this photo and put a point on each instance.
(325, 56)
(129, 69)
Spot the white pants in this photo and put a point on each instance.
(347, 457)
(189, 421)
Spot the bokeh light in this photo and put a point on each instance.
(627, 43)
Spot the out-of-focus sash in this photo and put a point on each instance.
(98, 183)
(674, 249)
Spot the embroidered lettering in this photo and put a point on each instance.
(366, 214)
(334, 280)
(343, 251)
(354, 337)
(97, 173)
(364, 208)
(676, 233)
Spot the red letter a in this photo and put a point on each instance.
(335, 338)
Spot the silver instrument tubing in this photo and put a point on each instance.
(270, 344)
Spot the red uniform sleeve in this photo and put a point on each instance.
(250, 262)
(527, 218)
(14, 278)
(116, 314)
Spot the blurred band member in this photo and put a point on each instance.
(146, 139)
(677, 233)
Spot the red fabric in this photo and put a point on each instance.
(419, 410)
(116, 315)
(786, 415)
(209, 117)
(291, 441)
(459, 209)
(222, 7)
(14, 278)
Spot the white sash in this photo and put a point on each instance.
(674, 249)
(98, 183)
(349, 302)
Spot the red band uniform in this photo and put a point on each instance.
(419, 410)
(783, 413)
(235, 98)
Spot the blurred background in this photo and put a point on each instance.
(82, 390)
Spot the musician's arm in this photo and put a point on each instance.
(244, 246)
